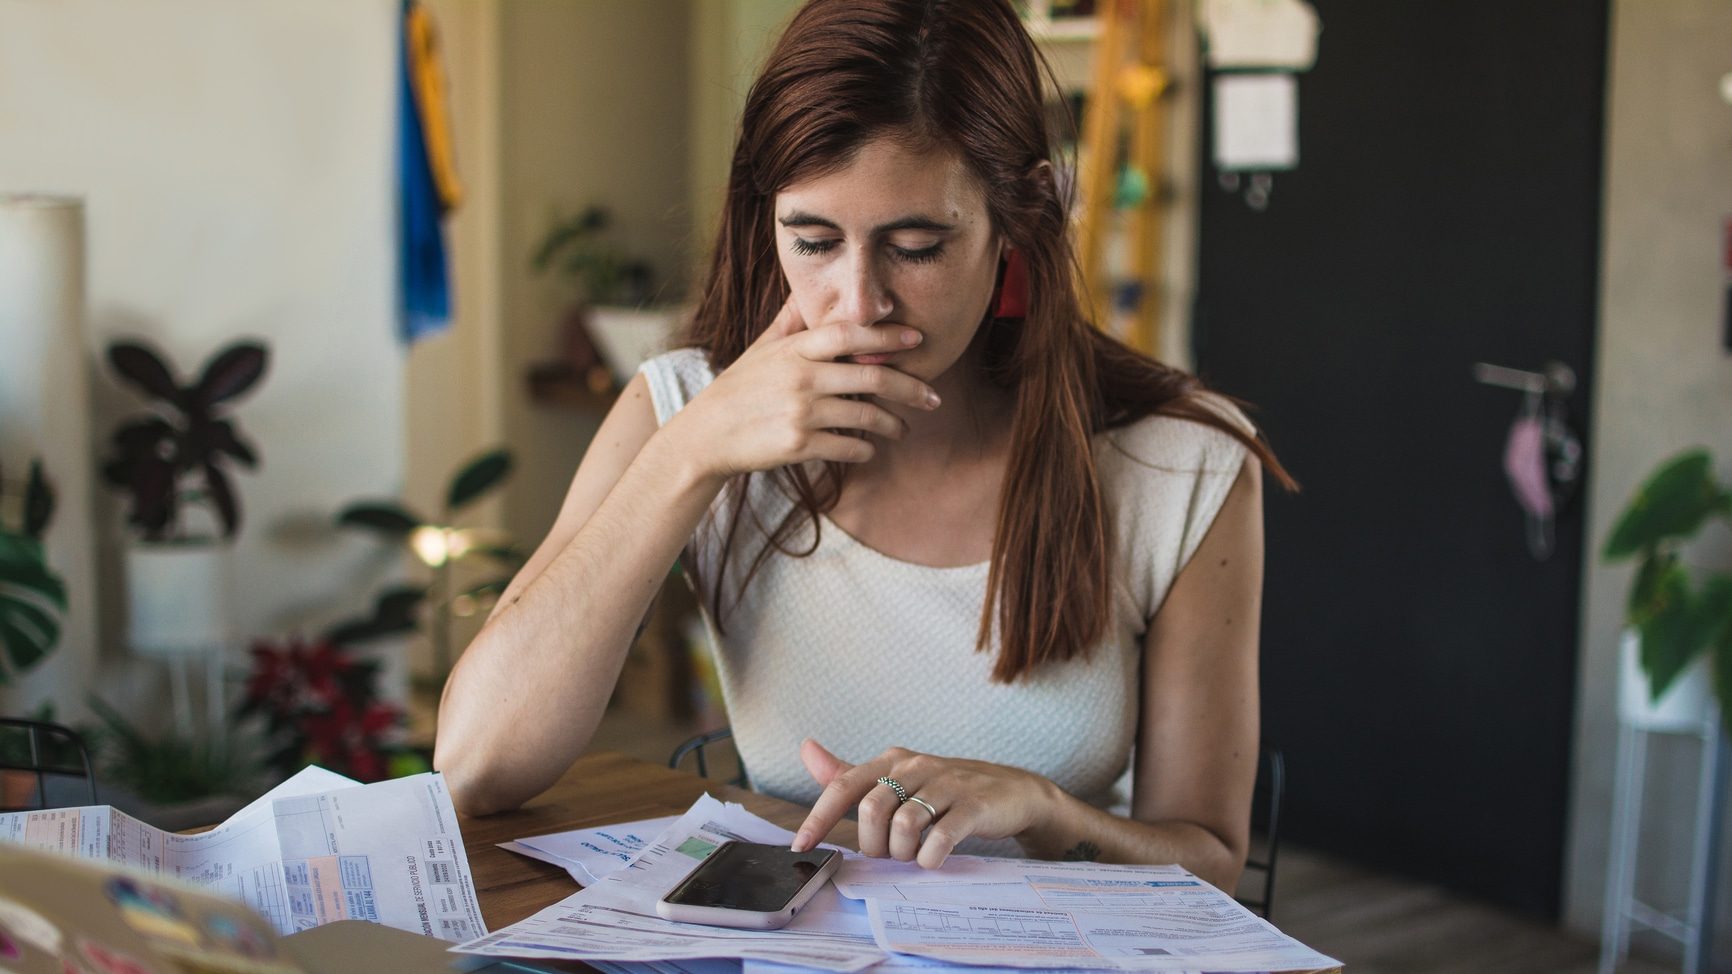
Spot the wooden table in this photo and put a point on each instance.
(600, 789)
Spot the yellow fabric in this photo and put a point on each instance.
(1141, 84)
(427, 81)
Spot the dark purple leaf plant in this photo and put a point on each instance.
(178, 454)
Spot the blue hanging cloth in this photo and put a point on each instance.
(427, 183)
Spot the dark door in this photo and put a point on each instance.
(1418, 661)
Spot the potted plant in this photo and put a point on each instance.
(32, 597)
(320, 705)
(32, 603)
(172, 780)
(440, 545)
(1680, 619)
(612, 308)
(172, 463)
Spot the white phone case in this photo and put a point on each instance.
(718, 916)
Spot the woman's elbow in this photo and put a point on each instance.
(467, 780)
(1225, 865)
(1225, 877)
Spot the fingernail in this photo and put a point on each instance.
(800, 841)
(910, 337)
(932, 399)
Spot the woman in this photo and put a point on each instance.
(930, 510)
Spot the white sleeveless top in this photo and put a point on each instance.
(863, 652)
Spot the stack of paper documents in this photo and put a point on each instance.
(1013, 914)
(590, 854)
(319, 847)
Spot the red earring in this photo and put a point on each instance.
(1012, 300)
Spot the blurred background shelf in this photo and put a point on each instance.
(559, 385)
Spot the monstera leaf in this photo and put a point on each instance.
(32, 601)
(32, 598)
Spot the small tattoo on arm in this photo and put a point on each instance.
(1085, 851)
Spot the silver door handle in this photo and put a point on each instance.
(1558, 380)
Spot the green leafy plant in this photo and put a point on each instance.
(179, 452)
(1679, 617)
(170, 768)
(440, 544)
(574, 249)
(32, 598)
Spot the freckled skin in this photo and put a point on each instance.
(937, 282)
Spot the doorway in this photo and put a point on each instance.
(1418, 661)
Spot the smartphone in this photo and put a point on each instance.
(749, 884)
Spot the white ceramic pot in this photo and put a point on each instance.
(627, 337)
(1687, 705)
(178, 598)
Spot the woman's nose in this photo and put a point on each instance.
(860, 296)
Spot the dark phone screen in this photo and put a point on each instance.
(749, 876)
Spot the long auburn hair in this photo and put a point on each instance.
(964, 75)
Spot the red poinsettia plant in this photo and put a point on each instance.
(321, 706)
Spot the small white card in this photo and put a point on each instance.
(1261, 34)
(1256, 122)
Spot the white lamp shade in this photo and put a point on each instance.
(44, 414)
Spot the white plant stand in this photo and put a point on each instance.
(178, 598)
(1687, 709)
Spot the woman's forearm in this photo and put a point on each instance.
(526, 696)
(1074, 829)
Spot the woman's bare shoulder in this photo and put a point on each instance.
(1177, 444)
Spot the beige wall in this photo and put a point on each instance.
(1664, 383)
(594, 111)
(453, 379)
(454, 382)
(556, 105)
(729, 41)
(236, 160)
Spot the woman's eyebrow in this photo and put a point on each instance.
(800, 218)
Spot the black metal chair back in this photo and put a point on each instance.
(38, 749)
(698, 746)
(1266, 820)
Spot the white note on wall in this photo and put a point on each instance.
(1256, 122)
(1261, 34)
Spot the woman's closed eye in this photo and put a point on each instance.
(924, 255)
(807, 248)
(911, 255)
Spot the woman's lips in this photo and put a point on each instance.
(878, 358)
